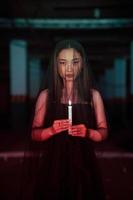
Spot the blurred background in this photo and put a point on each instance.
(28, 33)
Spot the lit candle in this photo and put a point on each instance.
(70, 114)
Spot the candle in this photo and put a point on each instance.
(70, 110)
(70, 114)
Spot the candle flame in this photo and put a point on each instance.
(69, 103)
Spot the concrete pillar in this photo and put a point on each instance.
(109, 83)
(18, 83)
(131, 68)
(120, 77)
(35, 76)
(18, 68)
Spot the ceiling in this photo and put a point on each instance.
(103, 44)
(68, 9)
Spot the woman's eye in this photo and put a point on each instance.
(62, 63)
(76, 62)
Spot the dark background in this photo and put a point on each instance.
(107, 37)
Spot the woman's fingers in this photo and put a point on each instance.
(61, 125)
(78, 130)
(64, 124)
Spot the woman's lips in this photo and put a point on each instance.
(69, 75)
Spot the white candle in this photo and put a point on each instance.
(70, 115)
(70, 110)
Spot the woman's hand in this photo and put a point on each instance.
(78, 130)
(60, 125)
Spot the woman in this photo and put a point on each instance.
(67, 167)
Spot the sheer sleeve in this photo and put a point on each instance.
(40, 110)
(99, 110)
(102, 130)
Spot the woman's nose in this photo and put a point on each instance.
(69, 67)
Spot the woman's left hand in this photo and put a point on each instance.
(78, 130)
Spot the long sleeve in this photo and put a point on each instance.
(101, 132)
(39, 133)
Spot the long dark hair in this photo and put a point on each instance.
(84, 80)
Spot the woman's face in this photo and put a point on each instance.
(69, 64)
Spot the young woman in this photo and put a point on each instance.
(67, 167)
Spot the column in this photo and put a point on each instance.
(120, 77)
(18, 82)
(35, 76)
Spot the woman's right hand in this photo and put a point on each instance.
(60, 125)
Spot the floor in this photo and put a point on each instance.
(115, 156)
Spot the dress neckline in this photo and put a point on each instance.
(76, 103)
